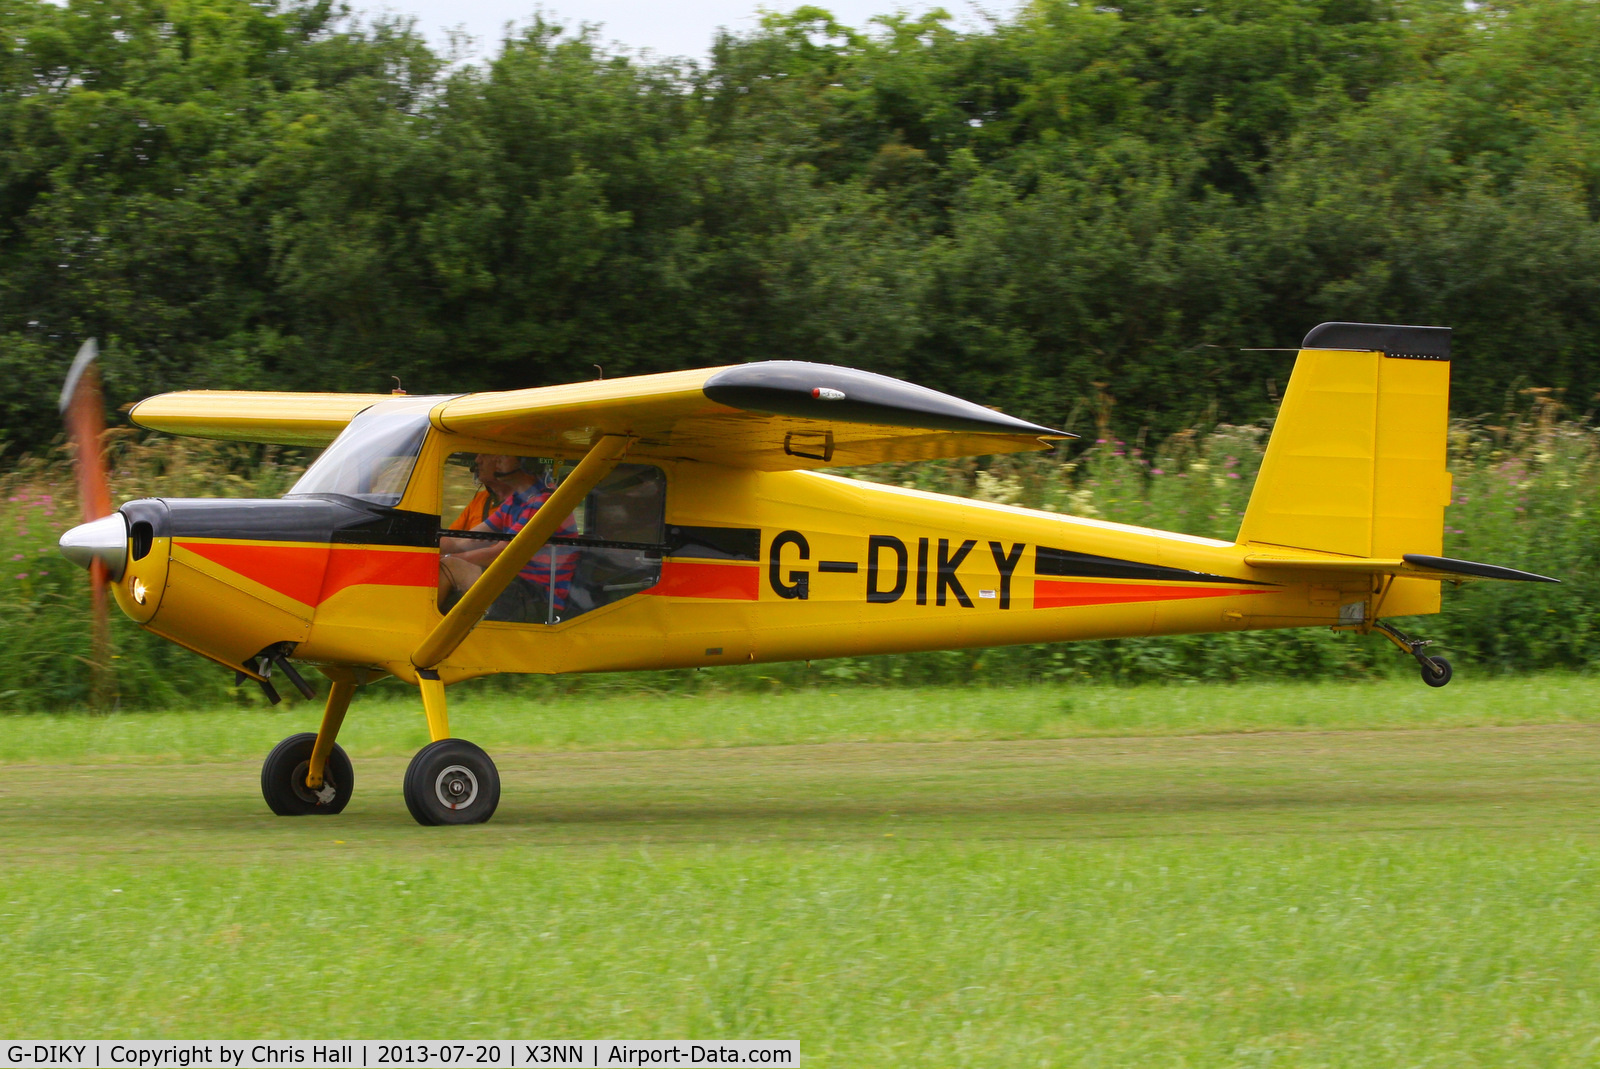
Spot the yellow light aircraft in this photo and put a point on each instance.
(679, 520)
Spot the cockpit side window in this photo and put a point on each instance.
(373, 458)
(609, 548)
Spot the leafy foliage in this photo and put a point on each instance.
(1075, 211)
(1080, 214)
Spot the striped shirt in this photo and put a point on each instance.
(513, 515)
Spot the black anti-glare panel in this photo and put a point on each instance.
(825, 392)
(292, 519)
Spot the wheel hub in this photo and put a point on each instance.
(324, 795)
(456, 787)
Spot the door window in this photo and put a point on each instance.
(609, 548)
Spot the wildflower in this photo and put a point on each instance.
(16, 556)
(1157, 471)
(22, 575)
(1233, 475)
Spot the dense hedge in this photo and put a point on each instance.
(1081, 212)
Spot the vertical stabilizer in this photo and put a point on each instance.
(1356, 462)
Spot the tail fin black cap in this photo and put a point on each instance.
(1418, 343)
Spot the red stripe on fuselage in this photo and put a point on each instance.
(312, 573)
(695, 579)
(353, 566)
(1055, 594)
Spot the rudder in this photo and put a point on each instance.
(1356, 461)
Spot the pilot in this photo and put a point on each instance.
(531, 597)
(491, 491)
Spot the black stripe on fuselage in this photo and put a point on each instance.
(1065, 563)
(714, 543)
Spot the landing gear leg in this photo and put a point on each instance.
(1435, 670)
(449, 781)
(339, 695)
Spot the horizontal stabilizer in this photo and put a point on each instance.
(1412, 565)
(1473, 569)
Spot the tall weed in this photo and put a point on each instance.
(1527, 494)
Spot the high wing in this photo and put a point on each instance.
(771, 416)
(312, 419)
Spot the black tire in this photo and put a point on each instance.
(283, 779)
(452, 782)
(1440, 673)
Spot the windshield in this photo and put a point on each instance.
(374, 456)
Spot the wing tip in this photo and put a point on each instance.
(831, 392)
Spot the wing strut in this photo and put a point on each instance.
(458, 623)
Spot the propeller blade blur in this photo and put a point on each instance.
(90, 544)
(84, 411)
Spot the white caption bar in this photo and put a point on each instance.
(349, 1054)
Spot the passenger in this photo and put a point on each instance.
(529, 598)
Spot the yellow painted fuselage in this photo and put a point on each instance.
(787, 566)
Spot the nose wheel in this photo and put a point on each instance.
(283, 779)
(452, 782)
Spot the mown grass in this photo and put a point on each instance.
(1418, 895)
(389, 720)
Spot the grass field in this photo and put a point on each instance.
(1360, 875)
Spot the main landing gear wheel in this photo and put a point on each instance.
(1436, 672)
(452, 782)
(283, 779)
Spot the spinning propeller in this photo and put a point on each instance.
(100, 543)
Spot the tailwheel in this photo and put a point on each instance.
(452, 782)
(1435, 670)
(283, 779)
